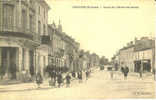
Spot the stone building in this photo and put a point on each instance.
(63, 48)
(138, 56)
(57, 46)
(22, 22)
(143, 54)
(126, 56)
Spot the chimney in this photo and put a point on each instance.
(135, 40)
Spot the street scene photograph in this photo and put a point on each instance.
(77, 49)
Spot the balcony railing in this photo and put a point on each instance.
(18, 32)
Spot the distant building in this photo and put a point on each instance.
(64, 49)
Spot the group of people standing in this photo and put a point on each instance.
(124, 70)
(57, 78)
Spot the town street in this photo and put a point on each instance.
(98, 86)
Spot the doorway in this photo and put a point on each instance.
(8, 59)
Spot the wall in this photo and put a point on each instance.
(126, 57)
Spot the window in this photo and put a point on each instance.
(31, 23)
(23, 59)
(44, 61)
(39, 27)
(44, 29)
(44, 13)
(24, 20)
(39, 10)
(8, 16)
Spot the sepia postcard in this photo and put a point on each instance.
(77, 49)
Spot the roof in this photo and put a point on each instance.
(142, 45)
(125, 48)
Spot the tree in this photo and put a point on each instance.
(103, 60)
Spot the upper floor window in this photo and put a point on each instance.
(24, 20)
(39, 27)
(44, 13)
(8, 16)
(44, 29)
(31, 23)
(39, 10)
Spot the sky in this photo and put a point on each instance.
(104, 30)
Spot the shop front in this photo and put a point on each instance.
(16, 58)
(145, 64)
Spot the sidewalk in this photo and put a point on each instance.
(33, 86)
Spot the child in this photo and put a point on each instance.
(68, 78)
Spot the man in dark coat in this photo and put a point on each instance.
(122, 69)
(73, 74)
(80, 76)
(59, 79)
(53, 78)
(126, 70)
(87, 74)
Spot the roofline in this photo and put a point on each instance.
(45, 4)
(124, 48)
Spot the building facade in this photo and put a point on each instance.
(63, 48)
(126, 57)
(20, 31)
(143, 54)
(139, 56)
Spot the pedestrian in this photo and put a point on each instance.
(68, 78)
(80, 77)
(59, 79)
(52, 82)
(39, 79)
(126, 70)
(73, 74)
(140, 73)
(122, 69)
(87, 74)
(55, 75)
(111, 74)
